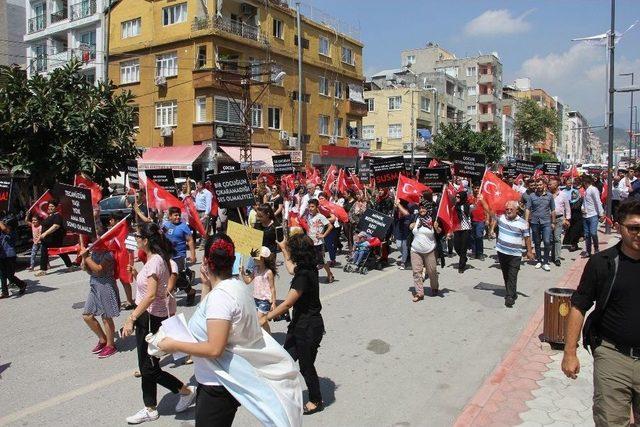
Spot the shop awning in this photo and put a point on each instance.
(176, 158)
(260, 157)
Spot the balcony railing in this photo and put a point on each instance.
(49, 62)
(37, 23)
(82, 9)
(59, 15)
(230, 26)
(39, 64)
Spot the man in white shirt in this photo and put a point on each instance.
(312, 193)
(563, 216)
(203, 205)
(592, 212)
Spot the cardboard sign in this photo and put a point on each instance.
(422, 162)
(233, 189)
(282, 164)
(470, 165)
(6, 185)
(76, 208)
(245, 239)
(164, 178)
(132, 173)
(386, 171)
(551, 168)
(374, 223)
(436, 178)
(525, 167)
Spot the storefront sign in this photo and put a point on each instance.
(229, 133)
(233, 189)
(375, 224)
(470, 165)
(337, 151)
(282, 164)
(76, 208)
(386, 171)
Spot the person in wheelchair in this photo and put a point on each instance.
(181, 237)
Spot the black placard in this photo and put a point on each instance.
(386, 171)
(525, 167)
(510, 171)
(233, 189)
(422, 162)
(364, 170)
(551, 168)
(5, 193)
(76, 208)
(164, 178)
(375, 223)
(282, 164)
(132, 173)
(470, 165)
(229, 167)
(436, 178)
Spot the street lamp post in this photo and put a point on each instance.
(612, 47)
(630, 115)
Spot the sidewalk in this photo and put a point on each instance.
(528, 387)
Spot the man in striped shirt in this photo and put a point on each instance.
(512, 231)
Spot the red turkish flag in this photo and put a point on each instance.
(159, 198)
(267, 178)
(326, 208)
(192, 215)
(330, 179)
(605, 193)
(288, 182)
(538, 173)
(113, 241)
(496, 192)
(354, 182)
(571, 173)
(342, 181)
(96, 190)
(446, 210)
(409, 189)
(40, 207)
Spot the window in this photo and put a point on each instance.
(347, 56)
(323, 86)
(305, 42)
(277, 28)
(274, 117)
(471, 71)
(228, 111)
(167, 64)
(130, 71)
(136, 116)
(323, 125)
(201, 109)
(325, 47)
(131, 28)
(371, 105)
(174, 14)
(256, 116)
(411, 59)
(201, 59)
(338, 90)
(471, 91)
(368, 132)
(167, 113)
(395, 131)
(395, 102)
(425, 104)
(471, 110)
(337, 127)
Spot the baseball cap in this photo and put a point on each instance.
(263, 252)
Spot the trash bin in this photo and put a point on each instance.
(557, 304)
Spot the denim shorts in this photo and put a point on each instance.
(263, 305)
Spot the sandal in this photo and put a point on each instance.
(331, 279)
(434, 292)
(41, 273)
(417, 298)
(319, 407)
(127, 306)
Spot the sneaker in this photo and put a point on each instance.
(401, 266)
(546, 267)
(539, 265)
(107, 351)
(186, 400)
(143, 415)
(508, 302)
(557, 263)
(98, 348)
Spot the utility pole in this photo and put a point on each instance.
(630, 117)
(413, 135)
(612, 46)
(300, 132)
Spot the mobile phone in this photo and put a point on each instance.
(279, 233)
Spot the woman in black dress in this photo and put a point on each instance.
(575, 231)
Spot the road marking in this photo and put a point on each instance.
(62, 398)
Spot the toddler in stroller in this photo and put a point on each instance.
(363, 244)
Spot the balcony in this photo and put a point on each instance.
(486, 78)
(487, 98)
(486, 117)
(230, 26)
(215, 79)
(49, 62)
(356, 108)
(82, 9)
(37, 23)
(38, 64)
(60, 15)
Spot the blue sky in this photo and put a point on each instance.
(532, 38)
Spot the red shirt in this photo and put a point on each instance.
(477, 213)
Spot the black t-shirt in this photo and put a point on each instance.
(57, 236)
(268, 236)
(621, 318)
(306, 310)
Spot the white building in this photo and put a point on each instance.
(58, 30)
(508, 136)
(576, 138)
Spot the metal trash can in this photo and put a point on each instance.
(557, 304)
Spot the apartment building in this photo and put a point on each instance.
(481, 74)
(576, 138)
(58, 30)
(12, 14)
(183, 60)
(405, 108)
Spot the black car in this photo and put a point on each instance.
(118, 206)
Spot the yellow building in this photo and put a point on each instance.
(175, 57)
(544, 100)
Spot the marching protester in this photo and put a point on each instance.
(266, 222)
(319, 229)
(8, 258)
(541, 215)
(36, 231)
(262, 279)
(576, 229)
(592, 213)
(480, 217)
(350, 200)
(461, 236)
(52, 237)
(276, 201)
(181, 237)
(562, 218)
(203, 205)
(423, 251)
(402, 218)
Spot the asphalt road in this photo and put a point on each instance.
(384, 360)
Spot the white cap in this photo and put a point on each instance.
(264, 252)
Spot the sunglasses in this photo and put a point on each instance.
(633, 229)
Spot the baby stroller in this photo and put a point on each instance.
(367, 259)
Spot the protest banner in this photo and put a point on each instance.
(525, 167)
(282, 164)
(551, 168)
(132, 174)
(470, 165)
(76, 208)
(6, 184)
(387, 170)
(233, 189)
(245, 239)
(436, 178)
(510, 171)
(164, 178)
(374, 223)
(364, 170)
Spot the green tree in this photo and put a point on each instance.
(533, 121)
(53, 127)
(460, 137)
(540, 158)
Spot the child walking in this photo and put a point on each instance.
(36, 231)
(263, 279)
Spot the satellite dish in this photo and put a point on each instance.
(278, 78)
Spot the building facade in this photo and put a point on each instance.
(12, 13)
(59, 30)
(185, 61)
(577, 138)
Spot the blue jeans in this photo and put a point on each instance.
(403, 247)
(590, 227)
(359, 256)
(330, 242)
(544, 231)
(477, 237)
(34, 254)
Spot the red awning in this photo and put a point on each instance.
(260, 157)
(176, 158)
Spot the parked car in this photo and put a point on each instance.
(118, 206)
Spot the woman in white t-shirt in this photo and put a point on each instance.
(423, 254)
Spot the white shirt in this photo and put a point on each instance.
(592, 205)
(623, 188)
(424, 240)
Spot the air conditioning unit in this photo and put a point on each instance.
(406, 146)
(161, 81)
(293, 142)
(333, 140)
(378, 139)
(166, 131)
(284, 135)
